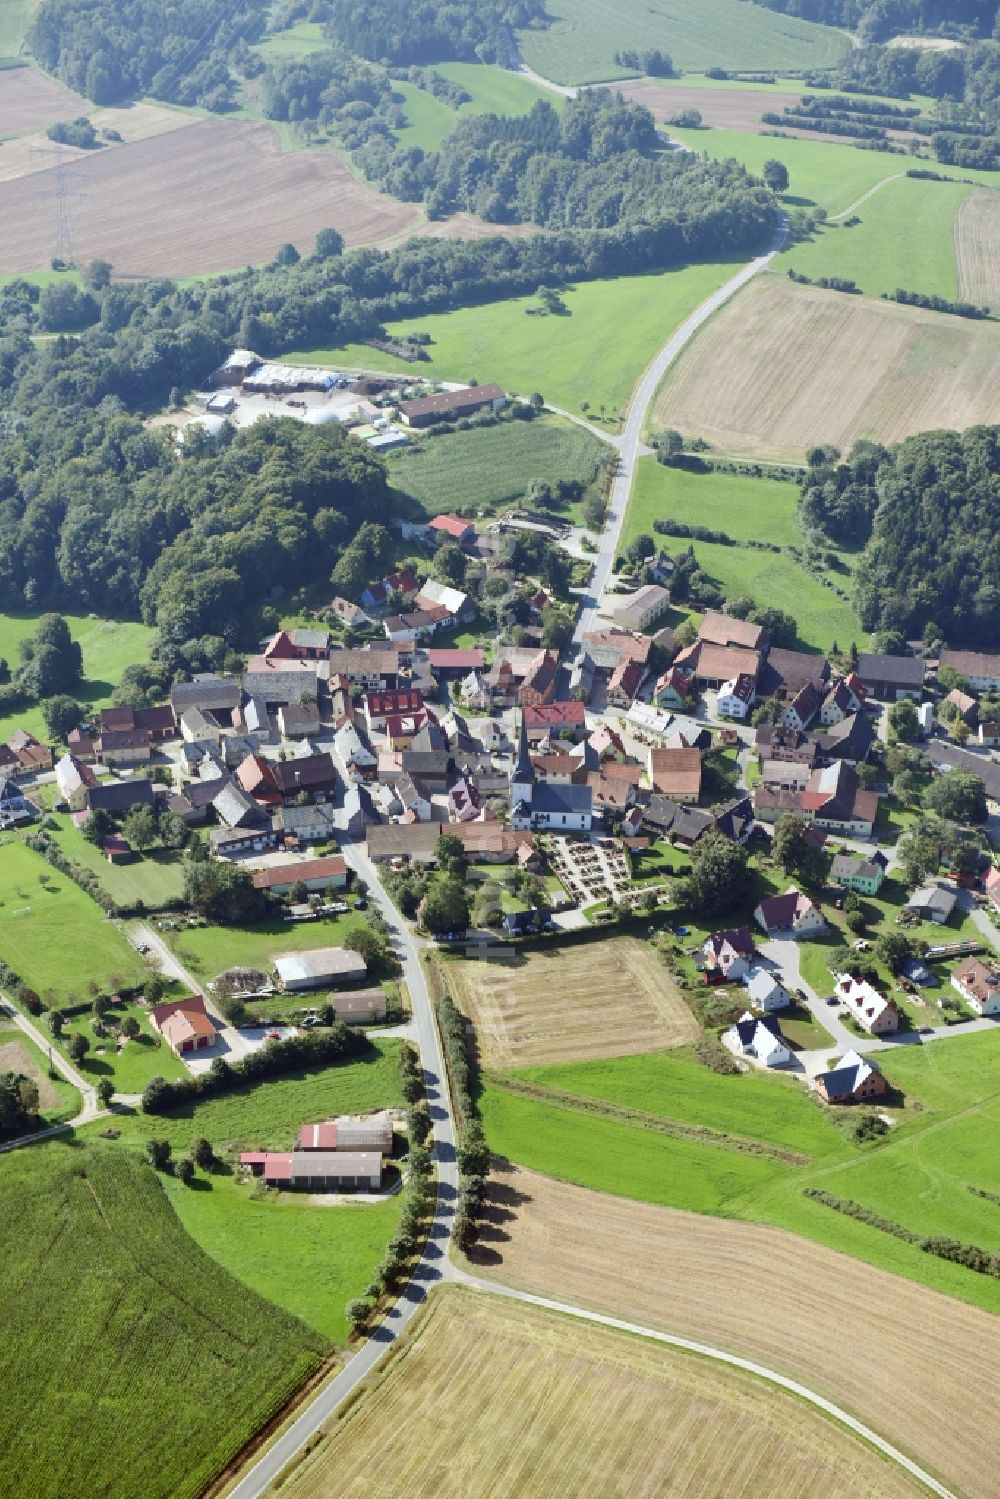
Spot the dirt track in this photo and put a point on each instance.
(913, 1364)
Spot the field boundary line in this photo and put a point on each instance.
(896, 177)
(718, 1355)
(585, 1103)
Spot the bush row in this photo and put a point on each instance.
(705, 533)
(418, 1206)
(273, 1059)
(935, 303)
(829, 283)
(969, 1255)
(472, 1151)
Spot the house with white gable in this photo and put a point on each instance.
(766, 992)
(758, 1038)
(979, 986)
(873, 1012)
(792, 914)
(736, 697)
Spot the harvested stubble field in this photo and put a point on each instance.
(724, 109)
(29, 101)
(977, 248)
(134, 122)
(571, 1408)
(757, 380)
(769, 1295)
(571, 1004)
(178, 204)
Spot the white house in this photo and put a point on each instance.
(352, 749)
(432, 594)
(766, 992)
(736, 697)
(757, 1038)
(793, 914)
(978, 985)
(873, 1012)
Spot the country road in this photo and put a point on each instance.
(143, 937)
(630, 446)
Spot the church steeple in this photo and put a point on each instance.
(523, 775)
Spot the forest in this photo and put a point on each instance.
(928, 516)
(878, 20)
(421, 31)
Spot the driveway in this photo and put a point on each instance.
(143, 936)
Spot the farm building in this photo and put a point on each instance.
(639, 610)
(933, 903)
(723, 629)
(116, 849)
(120, 796)
(316, 1170)
(980, 671)
(74, 780)
(321, 968)
(759, 1039)
(360, 1007)
(184, 1024)
(676, 773)
(451, 528)
(427, 410)
(315, 874)
(362, 1133)
(890, 678)
(853, 1080)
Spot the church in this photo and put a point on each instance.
(545, 807)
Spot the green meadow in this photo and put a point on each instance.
(54, 935)
(906, 238)
(580, 45)
(594, 353)
(747, 510)
(210, 950)
(493, 91)
(108, 647)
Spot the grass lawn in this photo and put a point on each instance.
(155, 877)
(15, 18)
(493, 90)
(108, 647)
(308, 1258)
(146, 1365)
(130, 1069)
(746, 509)
(823, 173)
(486, 467)
(675, 1085)
(595, 354)
(52, 934)
(906, 238)
(580, 46)
(210, 950)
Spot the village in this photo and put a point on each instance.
(509, 793)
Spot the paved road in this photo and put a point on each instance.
(631, 447)
(435, 1265)
(143, 936)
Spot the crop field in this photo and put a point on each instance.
(29, 99)
(177, 204)
(108, 647)
(746, 509)
(488, 467)
(569, 1004)
(691, 1279)
(571, 1408)
(723, 109)
(595, 354)
(27, 154)
(580, 46)
(907, 237)
(137, 1367)
(51, 933)
(977, 235)
(155, 878)
(757, 379)
(210, 950)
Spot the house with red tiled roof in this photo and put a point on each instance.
(184, 1024)
(451, 528)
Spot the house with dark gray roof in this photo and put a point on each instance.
(118, 797)
(209, 693)
(890, 678)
